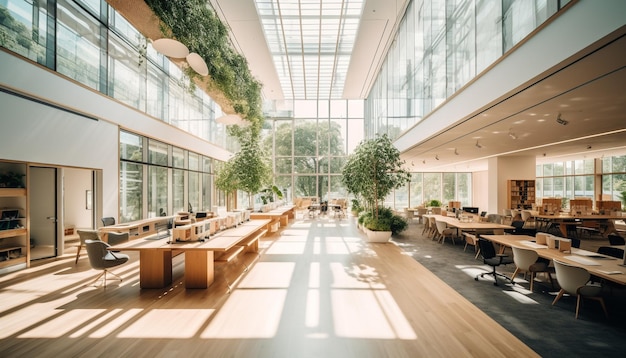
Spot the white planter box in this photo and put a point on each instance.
(377, 236)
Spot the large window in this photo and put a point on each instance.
(170, 179)
(566, 180)
(440, 46)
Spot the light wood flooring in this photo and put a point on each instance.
(317, 290)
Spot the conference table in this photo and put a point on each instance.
(606, 267)
(603, 223)
(155, 255)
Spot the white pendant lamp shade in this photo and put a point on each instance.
(197, 63)
(171, 48)
(231, 119)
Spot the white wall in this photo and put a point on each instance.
(76, 182)
(480, 190)
(37, 133)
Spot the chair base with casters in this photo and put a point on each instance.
(101, 258)
(488, 252)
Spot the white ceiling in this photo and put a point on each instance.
(589, 90)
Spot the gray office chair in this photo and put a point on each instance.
(114, 238)
(102, 259)
(85, 235)
(108, 221)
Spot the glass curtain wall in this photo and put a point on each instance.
(614, 179)
(309, 147)
(567, 180)
(441, 45)
(175, 179)
(95, 46)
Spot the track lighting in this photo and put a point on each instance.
(456, 152)
(436, 157)
(478, 145)
(561, 121)
(512, 135)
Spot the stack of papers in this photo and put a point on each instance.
(611, 272)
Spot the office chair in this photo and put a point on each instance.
(611, 251)
(83, 236)
(114, 238)
(573, 280)
(102, 259)
(108, 221)
(615, 239)
(488, 252)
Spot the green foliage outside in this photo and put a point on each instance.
(317, 150)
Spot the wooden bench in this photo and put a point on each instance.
(227, 257)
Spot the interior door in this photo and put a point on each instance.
(43, 212)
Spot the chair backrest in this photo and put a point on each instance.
(421, 211)
(108, 221)
(432, 221)
(526, 215)
(436, 210)
(570, 277)
(523, 258)
(487, 250)
(85, 235)
(611, 251)
(517, 224)
(441, 226)
(96, 251)
(114, 238)
(615, 239)
(494, 218)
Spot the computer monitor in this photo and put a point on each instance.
(470, 209)
(201, 215)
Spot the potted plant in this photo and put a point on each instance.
(371, 172)
(356, 207)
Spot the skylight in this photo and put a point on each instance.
(310, 42)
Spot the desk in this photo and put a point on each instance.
(137, 229)
(603, 222)
(155, 256)
(601, 267)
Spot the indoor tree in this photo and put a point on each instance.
(372, 171)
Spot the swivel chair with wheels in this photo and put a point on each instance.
(488, 252)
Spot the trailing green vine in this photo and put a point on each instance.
(193, 23)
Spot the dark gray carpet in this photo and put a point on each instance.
(550, 330)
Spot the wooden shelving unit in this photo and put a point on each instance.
(520, 194)
(14, 236)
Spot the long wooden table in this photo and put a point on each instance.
(281, 214)
(609, 268)
(155, 256)
(604, 223)
(469, 226)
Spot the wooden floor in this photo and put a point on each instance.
(318, 290)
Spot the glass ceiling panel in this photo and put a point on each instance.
(310, 42)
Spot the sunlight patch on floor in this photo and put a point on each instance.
(286, 248)
(168, 323)
(248, 314)
(520, 297)
(354, 277)
(367, 314)
(269, 275)
(62, 324)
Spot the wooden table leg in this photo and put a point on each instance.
(155, 268)
(199, 269)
